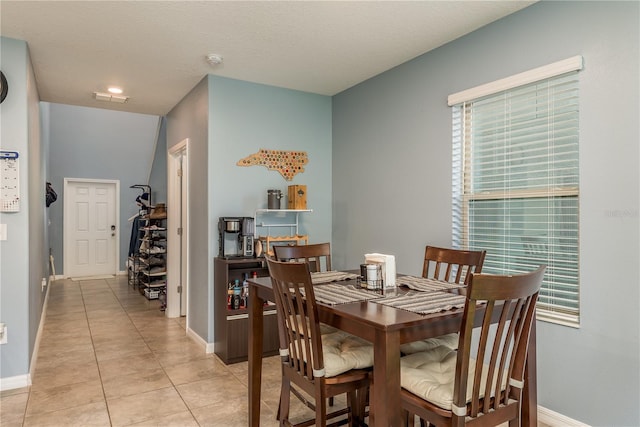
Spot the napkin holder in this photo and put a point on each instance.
(388, 263)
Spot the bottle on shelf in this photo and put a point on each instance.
(245, 290)
(230, 297)
(237, 291)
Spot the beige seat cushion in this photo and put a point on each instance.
(326, 329)
(343, 352)
(431, 375)
(449, 340)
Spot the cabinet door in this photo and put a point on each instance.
(238, 336)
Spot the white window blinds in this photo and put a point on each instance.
(515, 177)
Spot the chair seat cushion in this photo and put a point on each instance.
(326, 329)
(431, 375)
(449, 340)
(342, 352)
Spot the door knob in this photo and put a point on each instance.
(113, 227)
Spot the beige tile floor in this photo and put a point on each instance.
(109, 357)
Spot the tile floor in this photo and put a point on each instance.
(109, 357)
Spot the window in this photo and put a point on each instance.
(515, 179)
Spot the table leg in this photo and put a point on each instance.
(255, 357)
(385, 408)
(530, 392)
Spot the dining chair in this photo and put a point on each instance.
(317, 255)
(482, 382)
(321, 365)
(450, 265)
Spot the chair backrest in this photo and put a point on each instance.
(452, 265)
(317, 255)
(298, 323)
(536, 248)
(497, 358)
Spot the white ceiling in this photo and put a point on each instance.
(155, 50)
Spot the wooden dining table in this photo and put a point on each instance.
(386, 327)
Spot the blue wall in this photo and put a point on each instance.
(190, 119)
(99, 144)
(158, 175)
(22, 261)
(246, 117)
(400, 119)
(226, 120)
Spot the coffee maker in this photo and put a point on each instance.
(235, 237)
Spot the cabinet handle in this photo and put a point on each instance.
(246, 315)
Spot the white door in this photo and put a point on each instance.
(178, 231)
(91, 235)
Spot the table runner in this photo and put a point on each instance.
(334, 294)
(423, 284)
(331, 276)
(424, 302)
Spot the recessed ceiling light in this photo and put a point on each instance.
(120, 99)
(115, 90)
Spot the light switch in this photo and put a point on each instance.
(3, 231)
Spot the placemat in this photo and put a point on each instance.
(424, 302)
(334, 294)
(422, 284)
(331, 276)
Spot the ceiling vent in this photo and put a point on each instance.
(118, 99)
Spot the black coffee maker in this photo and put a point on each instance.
(235, 237)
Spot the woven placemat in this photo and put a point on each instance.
(423, 284)
(424, 302)
(334, 294)
(331, 276)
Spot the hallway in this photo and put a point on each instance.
(109, 357)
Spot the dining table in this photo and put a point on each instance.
(387, 327)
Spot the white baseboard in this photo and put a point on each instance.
(18, 381)
(554, 419)
(21, 381)
(208, 347)
(36, 346)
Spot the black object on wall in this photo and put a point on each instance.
(51, 196)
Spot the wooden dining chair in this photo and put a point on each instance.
(482, 382)
(450, 265)
(317, 255)
(321, 365)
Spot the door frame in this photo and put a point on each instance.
(178, 201)
(65, 217)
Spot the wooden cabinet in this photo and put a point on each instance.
(231, 327)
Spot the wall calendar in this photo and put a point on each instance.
(9, 181)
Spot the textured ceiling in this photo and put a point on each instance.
(155, 50)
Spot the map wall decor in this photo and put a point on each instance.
(288, 163)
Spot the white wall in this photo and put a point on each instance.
(392, 183)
